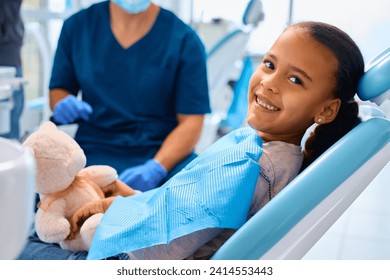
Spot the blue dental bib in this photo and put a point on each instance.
(215, 190)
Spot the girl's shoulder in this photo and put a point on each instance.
(281, 162)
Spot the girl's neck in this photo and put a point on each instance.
(291, 139)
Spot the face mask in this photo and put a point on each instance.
(133, 6)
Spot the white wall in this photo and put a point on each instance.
(367, 22)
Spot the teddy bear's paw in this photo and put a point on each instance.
(88, 229)
(57, 231)
(102, 175)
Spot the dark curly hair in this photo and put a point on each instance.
(350, 70)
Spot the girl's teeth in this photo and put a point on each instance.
(265, 105)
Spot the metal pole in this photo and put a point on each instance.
(290, 12)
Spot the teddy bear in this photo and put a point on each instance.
(73, 198)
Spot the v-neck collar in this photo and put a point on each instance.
(142, 39)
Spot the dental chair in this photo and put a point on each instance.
(236, 115)
(222, 59)
(290, 224)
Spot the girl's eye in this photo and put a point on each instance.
(269, 64)
(296, 80)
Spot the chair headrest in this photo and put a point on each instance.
(254, 13)
(375, 83)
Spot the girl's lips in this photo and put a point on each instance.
(266, 104)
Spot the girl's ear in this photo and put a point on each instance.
(329, 111)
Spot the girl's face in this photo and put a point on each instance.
(292, 88)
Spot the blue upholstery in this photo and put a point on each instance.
(367, 143)
(377, 80)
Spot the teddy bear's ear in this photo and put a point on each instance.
(48, 126)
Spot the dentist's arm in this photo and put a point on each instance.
(56, 95)
(181, 141)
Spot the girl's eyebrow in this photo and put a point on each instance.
(294, 68)
(271, 55)
(303, 73)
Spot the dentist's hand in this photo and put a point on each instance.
(70, 109)
(144, 177)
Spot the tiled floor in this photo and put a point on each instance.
(363, 231)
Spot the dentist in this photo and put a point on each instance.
(133, 75)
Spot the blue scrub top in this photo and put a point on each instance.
(135, 93)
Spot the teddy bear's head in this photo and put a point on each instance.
(58, 158)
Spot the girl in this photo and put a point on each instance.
(309, 76)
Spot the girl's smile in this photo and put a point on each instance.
(266, 103)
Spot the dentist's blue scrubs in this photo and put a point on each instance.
(135, 93)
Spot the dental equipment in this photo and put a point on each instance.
(222, 58)
(8, 83)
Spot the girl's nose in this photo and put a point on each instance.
(269, 83)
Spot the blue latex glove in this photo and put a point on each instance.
(70, 109)
(144, 177)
